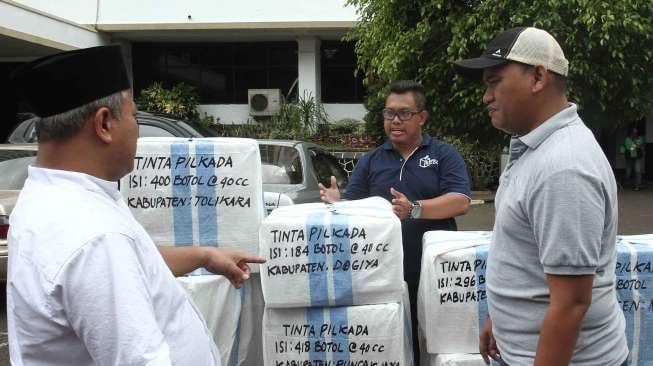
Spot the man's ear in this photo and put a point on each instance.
(425, 116)
(103, 124)
(541, 78)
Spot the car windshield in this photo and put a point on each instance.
(14, 172)
(145, 130)
(25, 132)
(196, 130)
(280, 165)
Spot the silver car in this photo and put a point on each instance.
(291, 171)
(295, 168)
(290, 167)
(14, 160)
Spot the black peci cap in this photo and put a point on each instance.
(58, 83)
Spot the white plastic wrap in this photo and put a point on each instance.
(452, 304)
(456, 359)
(451, 300)
(634, 283)
(204, 191)
(220, 305)
(250, 331)
(354, 335)
(348, 253)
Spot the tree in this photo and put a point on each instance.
(609, 45)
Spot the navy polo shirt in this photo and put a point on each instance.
(434, 169)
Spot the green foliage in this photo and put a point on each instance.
(179, 102)
(301, 119)
(482, 160)
(347, 126)
(304, 119)
(609, 45)
(254, 131)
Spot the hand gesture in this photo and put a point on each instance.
(331, 194)
(232, 264)
(487, 345)
(401, 205)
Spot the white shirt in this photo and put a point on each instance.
(86, 285)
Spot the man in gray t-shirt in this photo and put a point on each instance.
(550, 271)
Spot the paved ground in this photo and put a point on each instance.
(635, 217)
(635, 213)
(4, 349)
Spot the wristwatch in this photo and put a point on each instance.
(415, 210)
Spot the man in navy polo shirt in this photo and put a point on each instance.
(425, 179)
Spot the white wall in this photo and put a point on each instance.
(78, 11)
(340, 111)
(221, 11)
(239, 113)
(308, 67)
(247, 13)
(228, 113)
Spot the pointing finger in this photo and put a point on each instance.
(252, 259)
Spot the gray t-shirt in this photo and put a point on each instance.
(556, 213)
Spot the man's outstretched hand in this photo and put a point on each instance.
(232, 264)
(331, 194)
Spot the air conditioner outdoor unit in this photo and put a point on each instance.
(264, 102)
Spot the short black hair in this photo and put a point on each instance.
(558, 81)
(406, 86)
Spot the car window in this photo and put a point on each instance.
(336, 170)
(320, 167)
(195, 131)
(14, 172)
(153, 131)
(325, 165)
(280, 164)
(25, 132)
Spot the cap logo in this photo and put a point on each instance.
(497, 53)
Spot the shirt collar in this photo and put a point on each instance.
(559, 120)
(426, 140)
(70, 178)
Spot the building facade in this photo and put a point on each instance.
(222, 48)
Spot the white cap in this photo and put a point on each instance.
(526, 45)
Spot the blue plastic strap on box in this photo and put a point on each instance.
(479, 269)
(646, 309)
(182, 214)
(342, 282)
(338, 317)
(315, 226)
(623, 260)
(315, 318)
(635, 294)
(207, 216)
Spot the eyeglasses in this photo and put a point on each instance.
(403, 114)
